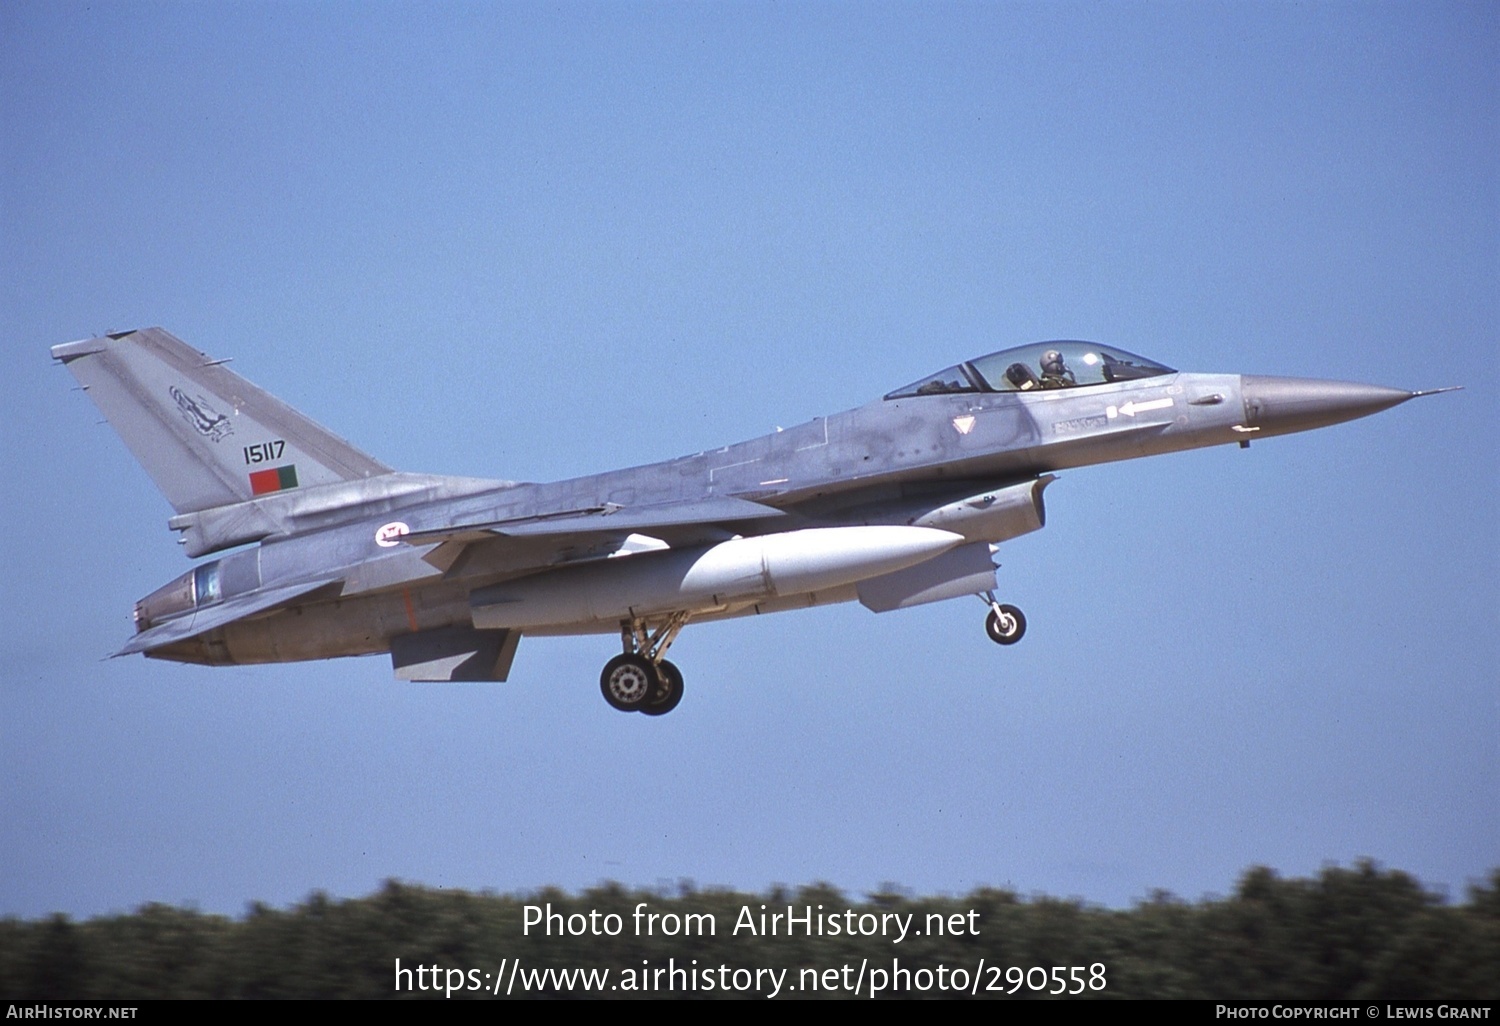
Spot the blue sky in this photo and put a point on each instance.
(535, 241)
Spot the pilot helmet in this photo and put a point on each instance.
(1052, 362)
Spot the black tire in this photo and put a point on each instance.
(628, 682)
(668, 693)
(1005, 633)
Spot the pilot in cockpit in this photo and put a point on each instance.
(1055, 373)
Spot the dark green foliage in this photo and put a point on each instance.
(1358, 933)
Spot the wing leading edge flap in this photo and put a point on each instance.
(201, 621)
(610, 518)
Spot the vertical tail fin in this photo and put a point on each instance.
(206, 436)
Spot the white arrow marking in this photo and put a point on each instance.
(1132, 408)
(963, 424)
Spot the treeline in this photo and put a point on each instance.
(1350, 933)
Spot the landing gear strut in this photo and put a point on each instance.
(1005, 624)
(641, 679)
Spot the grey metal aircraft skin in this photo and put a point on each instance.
(893, 504)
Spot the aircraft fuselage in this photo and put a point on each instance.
(831, 471)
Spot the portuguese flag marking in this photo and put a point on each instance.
(278, 479)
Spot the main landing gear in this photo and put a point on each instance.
(1005, 624)
(640, 679)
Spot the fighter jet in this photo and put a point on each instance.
(897, 503)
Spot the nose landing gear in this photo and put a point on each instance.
(640, 679)
(1005, 624)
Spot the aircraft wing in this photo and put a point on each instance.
(608, 518)
(237, 608)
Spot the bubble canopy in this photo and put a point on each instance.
(1064, 364)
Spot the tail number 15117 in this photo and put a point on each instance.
(265, 452)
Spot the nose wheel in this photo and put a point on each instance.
(1005, 624)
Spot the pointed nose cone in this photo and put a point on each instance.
(1279, 406)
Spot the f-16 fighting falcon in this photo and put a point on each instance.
(899, 502)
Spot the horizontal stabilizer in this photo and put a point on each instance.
(454, 655)
(201, 621)
(613, 518)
